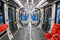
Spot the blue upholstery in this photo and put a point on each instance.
(35, 18)
(24, 17)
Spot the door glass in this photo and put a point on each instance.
(47, 19)
(1, 12)
(12, 19)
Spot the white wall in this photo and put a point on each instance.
(17, 16)
(41, 19)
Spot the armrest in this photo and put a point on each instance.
(54, 37)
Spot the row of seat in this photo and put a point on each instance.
(3, 27)
(55, 33)
(25, 17)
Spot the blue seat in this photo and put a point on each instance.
(24, 17)
(35, 18)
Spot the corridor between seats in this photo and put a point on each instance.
(29, 19)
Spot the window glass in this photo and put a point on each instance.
(1, 13)
(58, 13)
(1, 17)
(1, 21)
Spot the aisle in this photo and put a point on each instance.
(23, 34)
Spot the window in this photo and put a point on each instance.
(58, 13)
(47, 19)
(1, 13)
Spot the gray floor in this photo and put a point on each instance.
(23, 34)
(5, 38)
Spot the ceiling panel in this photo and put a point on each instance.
(24, 2)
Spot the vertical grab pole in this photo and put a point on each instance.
(27, 1)
(30, 27)
(32, 1)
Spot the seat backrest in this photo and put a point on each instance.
(35, 18)
(55, 28)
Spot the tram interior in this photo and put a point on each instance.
(29, 19)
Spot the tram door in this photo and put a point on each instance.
(12, 19)
(47, 19)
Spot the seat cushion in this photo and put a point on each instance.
(55, 29)
(3, 27)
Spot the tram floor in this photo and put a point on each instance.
(5, 37)
(36, 34)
